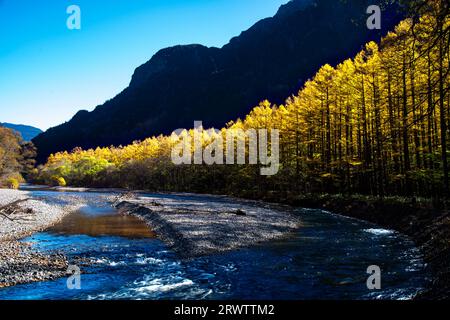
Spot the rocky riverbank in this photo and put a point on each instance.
(19, 263)
(192, 230)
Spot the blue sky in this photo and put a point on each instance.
(48, 72)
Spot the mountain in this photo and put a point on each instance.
(27, 132)
(181, 84)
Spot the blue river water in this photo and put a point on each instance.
(327, 258)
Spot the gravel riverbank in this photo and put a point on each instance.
(191, 229)
(19, 263)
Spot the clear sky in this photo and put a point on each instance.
(48, 72)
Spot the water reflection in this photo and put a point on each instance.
(96, 222)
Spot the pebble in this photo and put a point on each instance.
(19, 263)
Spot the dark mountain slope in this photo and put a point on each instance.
(185, 83)
(27, 132)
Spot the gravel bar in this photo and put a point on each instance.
(19, 263)
(196, 228)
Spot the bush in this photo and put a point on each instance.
(12, 183)
(58, 181)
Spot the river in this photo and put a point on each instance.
(326, 258)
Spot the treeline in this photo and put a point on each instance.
(377, 124)
(16, 158)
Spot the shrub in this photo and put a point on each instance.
(12, 183)
(58, 181)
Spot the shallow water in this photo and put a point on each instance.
(102, 222)
(326, 259)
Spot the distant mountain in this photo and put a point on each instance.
(27, 132)
(181, 84)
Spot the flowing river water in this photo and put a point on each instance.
(327, 258)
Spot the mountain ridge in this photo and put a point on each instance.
(27, 132)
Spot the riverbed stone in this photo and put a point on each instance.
(196, 229)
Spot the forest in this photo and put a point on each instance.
(377, 124)
(16, 158)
